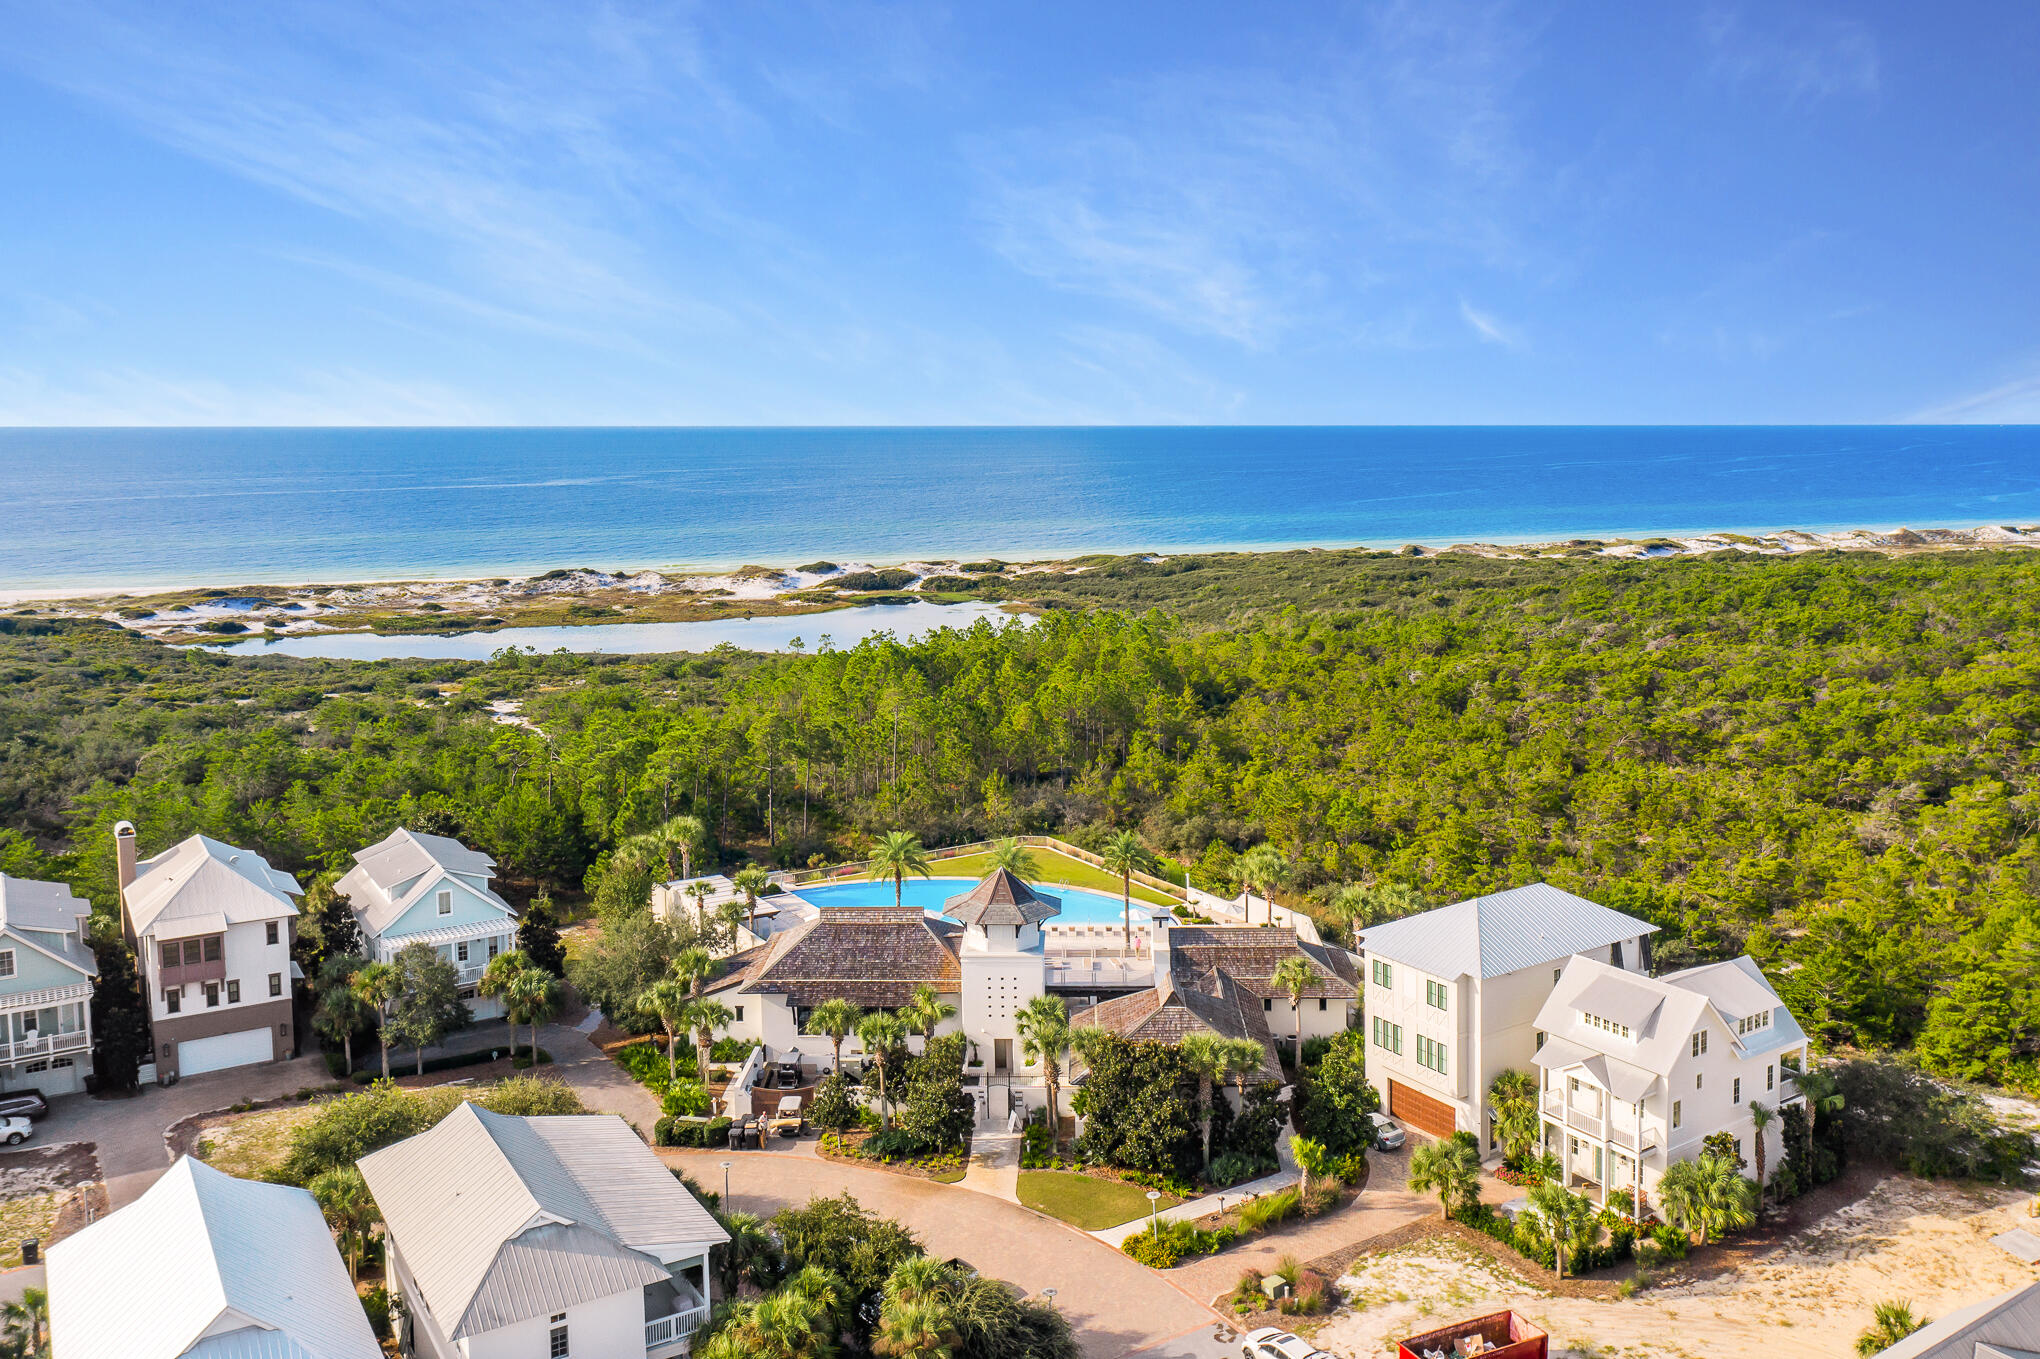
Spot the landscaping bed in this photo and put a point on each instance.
(1089, 1202)
(41, 1198)
(942, 1168)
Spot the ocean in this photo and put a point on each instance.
(132, 508)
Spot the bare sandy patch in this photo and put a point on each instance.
(1809, 1298)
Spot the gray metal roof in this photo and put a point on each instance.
(2006, 1324)
(1502, 932)
(201, 886)
(60, 921)
(395, 873)
(457, 1197)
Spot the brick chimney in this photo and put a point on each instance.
(124, 870)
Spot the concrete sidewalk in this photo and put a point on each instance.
(1192, 1209)
(994, 1162)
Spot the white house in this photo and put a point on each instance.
(412, 888)
(540, 1238)
(211, 929)
(2004, 1327)
(46, 973)
(208, 1266)
(1451, 996)
(1636, 1071)
(702, 898)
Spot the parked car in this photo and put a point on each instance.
(23, 1104)
(1272, 1342)
(15, 1131)
(1387, 1135)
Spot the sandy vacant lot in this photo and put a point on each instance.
(1808, 1299)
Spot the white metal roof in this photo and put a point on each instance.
(395, 873)
(1502, 932)
(461, 1199)
(202, 1251)
(201, 882)
(48, 908)
(2007, 1324)
(1680, 1007)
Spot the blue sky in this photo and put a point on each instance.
(1045, 213)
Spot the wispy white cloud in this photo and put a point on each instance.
(1490, 329)
(2015, 401)
(1804, 55)
(131, 396)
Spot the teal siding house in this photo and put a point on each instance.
(47, 971)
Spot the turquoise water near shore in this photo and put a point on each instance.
(142, 507)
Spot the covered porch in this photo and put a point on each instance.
(1594, 1120)
(675, 1307)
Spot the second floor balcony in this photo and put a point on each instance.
(44, 1045)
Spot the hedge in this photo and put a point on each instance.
(432, 1064)
(679, 1130)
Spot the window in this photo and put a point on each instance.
(1540, 1040)
(1267, 1003)
(212, 950)
(234, 992)
(1615, 954)
(271, 931)
(1738, 1149)
(191, 953)
(1700, 1043)
(1698, 1077)
(559, 1336)
(6, 962)
(495, 946)
(60, 1063)
(1675, 1113)
(737, 1013)
(36, 1068)
(446, 908)
(1321, 1004)
(1384, 974)
(173, 999)
(1434, 993)
(1431, 1054)
(1735, 1091)
(172, 955)
(276, 983)
(1557, 972)
(212, 995)
(460, 951)
(1607, 1026)
(1387, 1035)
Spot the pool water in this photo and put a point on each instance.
(1079, 907)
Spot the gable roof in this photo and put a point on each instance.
(501, 1219)
(201, 886)
(1662, 1013)
(1000, 898)
(49, 908)
(2007, 1325)
(1249, 954)
(1501, 932)
(869, 955)
(201, 1249)
(395, 873)
(1213, 1003)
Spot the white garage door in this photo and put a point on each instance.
(223, 1050)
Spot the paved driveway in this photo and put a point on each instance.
(128, 1131)
(1116, 1306)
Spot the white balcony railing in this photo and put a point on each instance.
(674, 1329)
(53, 1045)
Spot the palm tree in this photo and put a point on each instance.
(750, 1253)
(751, 879)
(1243, 1058)
(704, 1015)
(1015, 858)
(535, 998)
(1295, 976)
(1204, 1056)
(1313, 1161)
(1126, 854)
(838, 1019)
(1513, 1096)
(926, 1010)
(1706, 1196)
(28, 1322)
(1569, 1217)
(1044, 1027)
(922, 1276)
(1760, 1119)
(378, 985)
(668, 1002)
(341, 1011)
(680, 835)
(894, 856)
(881, 1031)
(1263, 866)
(1451, 1169)
(350, 1210)
(498, 978)
(924, 1329)
(692, 966)
(1890, 1322)
(1823, 1092)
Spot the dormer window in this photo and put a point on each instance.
(1607, 1026)
(446, 903)
(1751, 1023)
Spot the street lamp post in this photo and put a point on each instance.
(1153, 1196)
(726, 1187)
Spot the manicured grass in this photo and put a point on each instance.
(1085, 1201)
(1051, 867)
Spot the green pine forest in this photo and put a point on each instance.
(1825, 760)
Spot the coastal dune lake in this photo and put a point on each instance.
(138, 508)
(841, 628)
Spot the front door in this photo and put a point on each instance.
(1002, 1056)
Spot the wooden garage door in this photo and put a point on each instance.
(1418, 1110)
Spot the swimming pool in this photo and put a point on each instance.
(1079, 907)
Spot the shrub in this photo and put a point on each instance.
(1141, 1112)
(1671, 1242)
(686, 1097)
(832, 1108)
(1234, 1168)
(890, 578)
(1258, 1215)
(529, 1097)
(453, 1062)
(679, 1130)
(731, 1050)
(891, 1144)
(949, 584)
(1174, 1242)
(1315, 1048)
(376, 1302)
(815, 568)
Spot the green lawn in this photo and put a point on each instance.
(1084, 1201)
(1051, 867)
